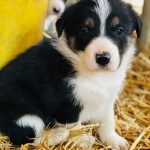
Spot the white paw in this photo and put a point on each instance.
(84, 141)
(114, 140)
(57, 136)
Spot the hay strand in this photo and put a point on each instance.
(139, 138)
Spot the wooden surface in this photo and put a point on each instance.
(144, 41)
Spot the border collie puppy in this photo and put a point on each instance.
(75, 78)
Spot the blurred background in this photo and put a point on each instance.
(143, 9)
(137, 4)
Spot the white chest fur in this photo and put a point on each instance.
(95, 93)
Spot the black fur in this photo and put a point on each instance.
(33, 84)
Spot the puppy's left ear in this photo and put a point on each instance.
(60, 26)
(137, 22)
(61, 22)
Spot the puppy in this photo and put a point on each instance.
(55, 10)
(56, 7)
(75, 78)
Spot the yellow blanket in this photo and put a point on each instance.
(21, 25)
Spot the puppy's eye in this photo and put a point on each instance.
(120, 31)
(85, 30)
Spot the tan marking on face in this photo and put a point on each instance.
(71, 43)
(115, 21)
(82, 66)
(90, 22)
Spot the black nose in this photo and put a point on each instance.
(103, 59)
(56, 10)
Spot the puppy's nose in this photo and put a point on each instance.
(103, 59)
(56, 10)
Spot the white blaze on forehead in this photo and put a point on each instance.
(103, 10)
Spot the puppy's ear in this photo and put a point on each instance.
(137, 22)
(60, 24)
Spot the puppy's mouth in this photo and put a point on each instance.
(100, 62)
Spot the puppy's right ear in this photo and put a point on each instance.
(60, 25)
(62, 22)
(136, 20)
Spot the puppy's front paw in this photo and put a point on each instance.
(57, 136)
(114, 140)
(54, 137)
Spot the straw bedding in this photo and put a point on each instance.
(132, 115)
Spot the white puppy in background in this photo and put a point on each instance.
(55, 9)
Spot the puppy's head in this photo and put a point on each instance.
(99, 32)
(56, 7)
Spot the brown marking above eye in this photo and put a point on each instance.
(71, 42)
(90, 22)
(114, 22)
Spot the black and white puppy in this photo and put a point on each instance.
(75, 78)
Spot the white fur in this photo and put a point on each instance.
(50, 23)
(55, 136)
(103, 9)
(58, 4)
(98, 46)
(32, 121)
(70, 2)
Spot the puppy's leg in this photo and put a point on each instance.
(55, 136)
(107, 132)
(22, 130)
(17, 135)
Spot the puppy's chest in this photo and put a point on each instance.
(94, 94)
